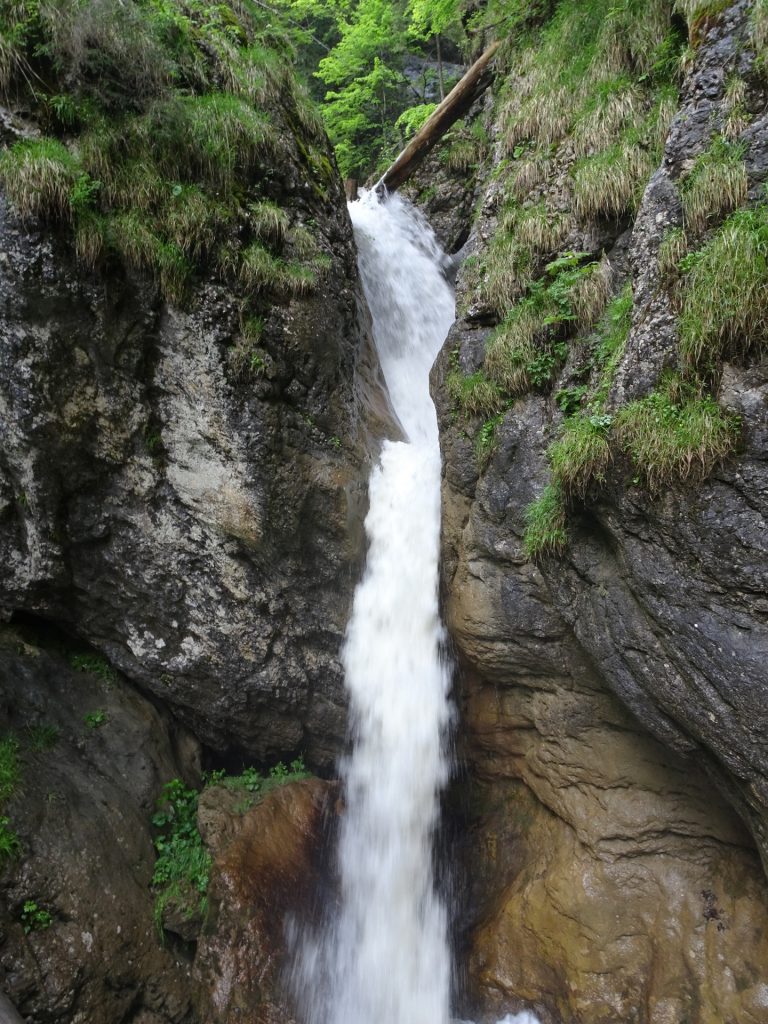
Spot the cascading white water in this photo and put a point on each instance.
(393, 962)
(385, 959)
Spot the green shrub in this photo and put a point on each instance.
(725, 293)
(676, 433)
(545, 524)
(183, 864)
(715, 185)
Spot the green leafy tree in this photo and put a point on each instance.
(365, 83)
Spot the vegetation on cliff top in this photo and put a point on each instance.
(165, 121)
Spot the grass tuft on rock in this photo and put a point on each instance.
(610, 183)
(40, 176)
(725, 293)
(474, 394)
(545, 524)
(581, 454)
(676, 433)
(715, 185)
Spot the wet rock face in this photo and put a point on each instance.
(199, 524)
(266, 868)
(93, 756)
(613, 845)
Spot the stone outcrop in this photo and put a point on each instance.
(93, 756)
(199, 525)
(266, 872)
(613, 845)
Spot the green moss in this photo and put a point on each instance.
(715, 185)
(545, 524)
(676, 433)
(725, 293)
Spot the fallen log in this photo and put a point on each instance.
(455, 105)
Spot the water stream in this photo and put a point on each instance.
(385, 958)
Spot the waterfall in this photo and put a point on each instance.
(385, 958)
(393, 962)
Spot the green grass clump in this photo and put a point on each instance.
(506, 270)
(512, 348)
(615, 105)
(676, 433)
(159, 153)
(613, 332)
(10, 772)
(40, 176)
(610, 183)
(674, 246)
(758, 33)
(545, 524)
(487, 440)
(589, 293)
(95, 664)
(41, 737)
(725, 293)
(268, 220)
(531, 170)
(581, 454)
(474, 394)
(715, 185)
(536, 228)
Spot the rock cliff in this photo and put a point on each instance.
(609, 877)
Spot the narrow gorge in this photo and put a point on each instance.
(383, 584)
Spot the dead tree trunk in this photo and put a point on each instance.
(455, 105)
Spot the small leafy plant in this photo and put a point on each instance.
(95, 719)
(34, 918)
